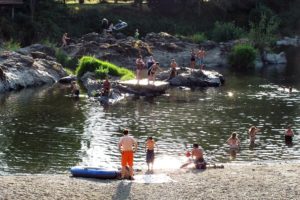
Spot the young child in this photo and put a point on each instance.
(233, 141)
(289, 134)
(197, 155)
(149, 148)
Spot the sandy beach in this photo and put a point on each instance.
(245, 181)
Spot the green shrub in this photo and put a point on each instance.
(224, 31)
(11, 45)
(102, 68)
(65, 60)
(197, 37)
(242, 57)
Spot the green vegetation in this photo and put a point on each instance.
(102, 68)
(36, 20)
(226, 31)
(11, 45)
(242, 57)
(65, 60)
(197, 37)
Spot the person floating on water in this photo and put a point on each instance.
(233, 141)
(173, 66)
(149, 148)
(252, 134)
(201, 55)
(127, 146)
(153, 71)
(193, 59)
(139, 67)
(288, 134)
(197, 154)
(74, 89)
(106, 87)
(65, 40)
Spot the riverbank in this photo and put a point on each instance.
(263, 181)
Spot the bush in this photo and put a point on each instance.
(102, 68)
(242, 57)
(226, 31)
(65, 60)
(11, 45)
(197, 38)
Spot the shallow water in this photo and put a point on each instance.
(45, 131)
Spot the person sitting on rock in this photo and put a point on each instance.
(110, 28)
(74, 89)
(153, 72)
(193, 59)
(106, 87)
(173, 69)
(104, 25)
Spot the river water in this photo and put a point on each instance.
(45, 131)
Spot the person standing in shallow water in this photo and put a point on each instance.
(252, 134)
(288, 134)
(149, 148)
(233, 141)
(127, 146)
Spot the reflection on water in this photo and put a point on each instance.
(44, 131)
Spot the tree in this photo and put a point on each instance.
(262, 33)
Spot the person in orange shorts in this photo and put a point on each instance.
(127, 146)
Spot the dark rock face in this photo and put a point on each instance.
(21, 71)
(48, 51)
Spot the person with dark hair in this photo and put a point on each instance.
(288, 134)
(173, 69)
(104, 25)
(139, 67)
(193, 59)
(197, 156)
(74, 89)
(155, 67)
(252, 134)
(65, 40)
(127, 146)
(233, 141)
(106, 87)
(149, 148)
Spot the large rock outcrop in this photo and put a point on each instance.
(19, 71)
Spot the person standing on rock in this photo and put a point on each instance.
(65, 39)
(201, 55)
(193, 59)
(173, 69)
(153, 72)
(104, 25)
(136, 34)
(127, 146)
(139, 67)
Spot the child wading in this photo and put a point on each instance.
(149, 148)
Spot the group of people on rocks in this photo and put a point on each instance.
(152, 68)
(128, 146)
(197, 58)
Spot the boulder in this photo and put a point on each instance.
(37, 48)
(273, 58)
(67, 79)
(288, 41)
(21, 71)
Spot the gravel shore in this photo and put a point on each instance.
(253, 181)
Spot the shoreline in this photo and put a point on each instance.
(235, 181)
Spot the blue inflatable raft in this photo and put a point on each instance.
(94, 172)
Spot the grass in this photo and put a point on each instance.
(102, 68)
(197, 37)
(11, 45)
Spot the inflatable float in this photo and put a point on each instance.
(120, 25)
(94, 172)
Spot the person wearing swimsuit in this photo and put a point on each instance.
(173, 69)
(193, 59)
(233, 141)
(252, 134)
(139, 67)
(153, 71)
(289, 134)
(149, 147)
